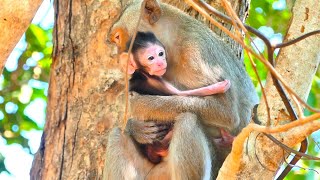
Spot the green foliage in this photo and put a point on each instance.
(262, 13)
(21, 87)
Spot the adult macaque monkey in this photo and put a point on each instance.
(196, 58)
(147, 64)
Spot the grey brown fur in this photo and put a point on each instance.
(196, 58)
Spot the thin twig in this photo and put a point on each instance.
(299, 109)
(125, 118)
(281, 45)
(262, 88)
(285, 127)
(233, 18)
(299, 167)
(290, 150)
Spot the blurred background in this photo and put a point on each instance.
(24, 87)
(23, 96)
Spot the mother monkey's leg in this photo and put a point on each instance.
(190, 154)
(123, 159)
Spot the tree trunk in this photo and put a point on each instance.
(86, 96)
(85, 93)
(15, 17)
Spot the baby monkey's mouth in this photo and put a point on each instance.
(160, 72)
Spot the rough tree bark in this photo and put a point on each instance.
(297, 64)
(15, 17)
(86, 90)
(85, 93)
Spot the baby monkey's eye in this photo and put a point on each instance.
(150, 58)
(161, 53)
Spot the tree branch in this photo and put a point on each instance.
(15, 17)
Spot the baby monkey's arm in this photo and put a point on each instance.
(219, 87)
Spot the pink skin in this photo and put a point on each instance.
(153, 58)
(226, 139)
(219, 87)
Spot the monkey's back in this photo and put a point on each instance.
(211, 61)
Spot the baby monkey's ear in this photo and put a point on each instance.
(132, 66)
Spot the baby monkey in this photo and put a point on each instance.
(147, 65)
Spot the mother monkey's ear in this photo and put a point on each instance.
(152, 11)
